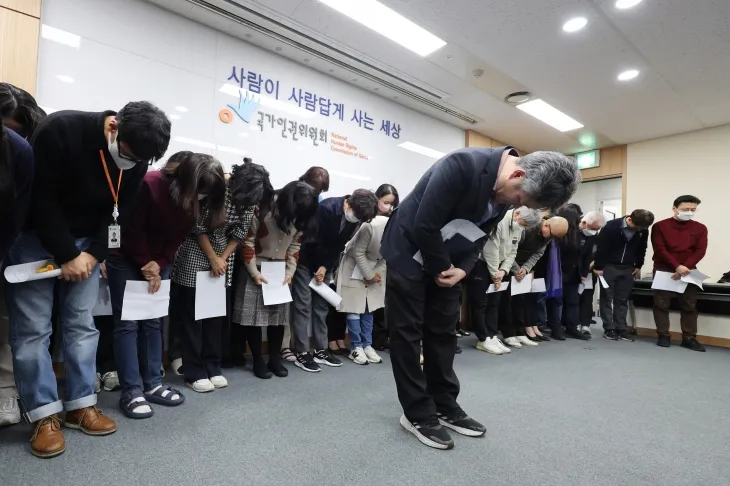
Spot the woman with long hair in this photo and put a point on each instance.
(166, 210)
(274, 236)
(19, 110)
(211, 247)
(388, 200)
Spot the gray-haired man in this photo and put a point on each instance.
(422, 301)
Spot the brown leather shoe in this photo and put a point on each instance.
(91, 421)
(47, 440)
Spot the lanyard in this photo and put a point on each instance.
(115, 194)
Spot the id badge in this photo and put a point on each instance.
(115, 236)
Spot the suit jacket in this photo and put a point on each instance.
(324, 248)
(459, 186)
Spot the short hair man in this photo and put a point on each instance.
(422, 300)
(620, 253)
(589, 226)
(88, 169)
(338, 218)
(679, 245)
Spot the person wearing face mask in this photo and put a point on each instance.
(679, 245)
(388, 200)
(338, 219)
(589, 226)
(620, 252)
(88, 169)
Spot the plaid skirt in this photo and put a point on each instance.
(249, 308)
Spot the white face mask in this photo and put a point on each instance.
(685, 215)
(121, 162)
(589, 232)
(202, 196)
(350, 216)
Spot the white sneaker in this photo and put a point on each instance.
(9, 411)
(505, 349)
(513, 342)
(490, 346)
(585, 329)
(525, 341)
(176, 366)
(357, 356)
(421, 360)
(219, 381)
(97, 383)
(372, 356)
(111, 381)
(202, 386)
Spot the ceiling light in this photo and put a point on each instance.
(357, 177)
(420, 149)
(181, 109)
(60, 36)
(629, 74)
(624, 4)
(387, 22)
(518, 97)
(64, 78)
(575, 24)
(550, 115)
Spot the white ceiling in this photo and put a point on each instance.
(682, 49)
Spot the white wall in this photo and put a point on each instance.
(131, 50)
(696, 163)
(600, 195)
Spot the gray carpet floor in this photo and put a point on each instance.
(571, 413)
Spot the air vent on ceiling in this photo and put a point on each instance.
(330, 59)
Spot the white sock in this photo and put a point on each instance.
(165, 393)
(143, 408)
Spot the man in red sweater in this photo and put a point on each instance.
(679, 245)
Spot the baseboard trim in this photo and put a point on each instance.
(677, 336)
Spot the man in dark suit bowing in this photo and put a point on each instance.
(422, 300)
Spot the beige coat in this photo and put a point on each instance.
(363, 251)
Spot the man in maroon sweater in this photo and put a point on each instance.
(679, 245)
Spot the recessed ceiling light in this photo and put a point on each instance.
(518, 97)
(575, 24)
(64, 78)
(549, 114)
(389, 23)
(629, 74)
(181, 109)
(420, 149)
(624, 4)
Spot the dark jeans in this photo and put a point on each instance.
(586, 302)
(105, 350)
(516, 312)
(201, 340)
(483, 307)
(420, 311)
(380, 329)
(615, 299)
(133, 356)
(688, 311)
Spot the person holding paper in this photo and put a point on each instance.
(679, 245)
(620, 252)
(169, 204)
(337, 220)
(422, 299)
(590, 224)
(491, 272)
(274, 236)
(88, 169)
(210, 247)
(388, 200)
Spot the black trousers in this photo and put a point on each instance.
(336, 325)
(105, 349)
(483, 307)
(571, 306)
(586, 303)
(380, 329)
(254, 336)
(515, 313)
(200, 341)
(420, 311)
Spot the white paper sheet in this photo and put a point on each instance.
(581, 288)
(524, 287)
(502, 288)
(27, 271)
(465, 228)
(103, 306)
(588, 284)
(326, 293)
(664, 281)
(139, 304)
(538, 285)
(357, 273)
(275, 292)
(210, 296)
(604, 284)
(695, 277)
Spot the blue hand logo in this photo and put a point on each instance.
(246, 106)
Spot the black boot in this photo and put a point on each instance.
(276, 336)
(254, 337)
(260, 369)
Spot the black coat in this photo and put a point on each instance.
(459, 186)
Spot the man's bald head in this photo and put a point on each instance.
(555, 227)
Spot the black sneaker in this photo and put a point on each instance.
(610, 334)
(664, 341)
(691, 343)
(463, 424)
(306, 362)
(576, 334)
(429, 432)
(458, 349)
(625, 336)
(558, 334)
(462, 332)
(324, 357)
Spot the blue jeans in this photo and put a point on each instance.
(137, 344)
(360, 327)
(30, 305)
